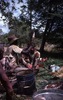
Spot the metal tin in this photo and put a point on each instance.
(50, 94)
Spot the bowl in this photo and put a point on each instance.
(49, 94)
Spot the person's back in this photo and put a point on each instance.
(11, 55)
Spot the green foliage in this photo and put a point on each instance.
(3, 38)
(44, 77)
(35, 13)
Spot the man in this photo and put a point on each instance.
(4, 79)
(12, 54)
(34, 55)
(10, 95)
(21, 56)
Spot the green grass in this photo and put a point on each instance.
(44, 77)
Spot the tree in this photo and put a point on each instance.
(48, 12)
(36, 14)
(19, 26)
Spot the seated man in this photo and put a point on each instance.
(31, 60)
(10, 60)
(35, 54)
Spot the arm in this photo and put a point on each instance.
(4, 80)
(28, 65)
(27, 50)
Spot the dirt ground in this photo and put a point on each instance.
(43, 77)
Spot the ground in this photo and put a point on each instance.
(44, 77)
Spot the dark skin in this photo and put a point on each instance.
(4, 80)
(25, 60)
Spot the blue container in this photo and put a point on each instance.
(26, 83)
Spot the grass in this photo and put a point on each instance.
(44, 77)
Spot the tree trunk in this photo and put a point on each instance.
(45, 33)
(50, 27)
(44, 38)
